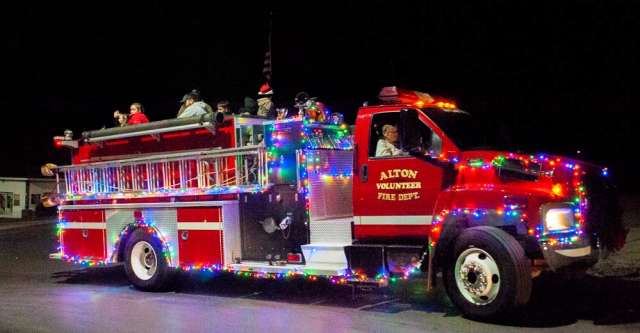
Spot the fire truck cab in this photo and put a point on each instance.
(393, 196)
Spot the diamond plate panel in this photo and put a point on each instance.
(331, 231)
(331, 197)
(331, 203)
(116, 220)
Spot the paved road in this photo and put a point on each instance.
(39, 295)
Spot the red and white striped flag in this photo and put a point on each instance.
(266, 69)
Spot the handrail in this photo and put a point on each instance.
(150, 132)
(207, 121)
(208, 153)
(233, 169)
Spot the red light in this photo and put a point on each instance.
(294, 258)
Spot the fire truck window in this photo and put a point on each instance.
(428, 140)
(381, 145)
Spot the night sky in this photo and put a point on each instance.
(549, 77)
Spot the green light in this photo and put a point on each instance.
(476, 162)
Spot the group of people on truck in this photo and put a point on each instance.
(136, 116)
(192, 105)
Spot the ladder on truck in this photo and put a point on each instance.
(205, 171)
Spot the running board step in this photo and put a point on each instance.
(325, 253)
(315, 269)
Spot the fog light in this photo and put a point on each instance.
(559, 219)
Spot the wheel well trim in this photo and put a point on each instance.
(120, 245)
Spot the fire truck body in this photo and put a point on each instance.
(241, 208)
(297, 197)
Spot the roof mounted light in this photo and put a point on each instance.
(393, 95)
(446, 105)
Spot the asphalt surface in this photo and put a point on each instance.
(42, 295)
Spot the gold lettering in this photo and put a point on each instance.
(399, 186)
(408, 196)
(398, 173)
(386, 196)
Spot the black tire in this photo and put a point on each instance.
(155, 280)
(513, 280)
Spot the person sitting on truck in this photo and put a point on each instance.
(120, 118)
(265, 103)
(192, 105)
(136, 115)
(250, 107)
(388, 145)
(223, 106)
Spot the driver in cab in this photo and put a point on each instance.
(388, 144)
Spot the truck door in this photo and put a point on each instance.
(395, 191)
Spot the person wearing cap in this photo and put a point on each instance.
(193, 106)
(265, 104)
(136, 115)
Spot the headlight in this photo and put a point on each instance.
(559, 219)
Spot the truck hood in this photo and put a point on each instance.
(554, 178)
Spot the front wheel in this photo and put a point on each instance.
(489, 275)
(145, 265)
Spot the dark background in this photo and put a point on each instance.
(550, 77)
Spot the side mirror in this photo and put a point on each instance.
(409, 132)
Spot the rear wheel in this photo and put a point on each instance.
(489, 275)
(145, 265)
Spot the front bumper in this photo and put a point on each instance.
(578, 255)
(562, 241)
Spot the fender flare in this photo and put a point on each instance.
(118, 254)
(451, 226)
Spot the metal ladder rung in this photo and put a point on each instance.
(195, 172)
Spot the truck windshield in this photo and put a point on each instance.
(469, 132)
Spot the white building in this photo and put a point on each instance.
(18, 196)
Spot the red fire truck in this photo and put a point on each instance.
(298, 197)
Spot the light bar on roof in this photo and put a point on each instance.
(394, 94)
